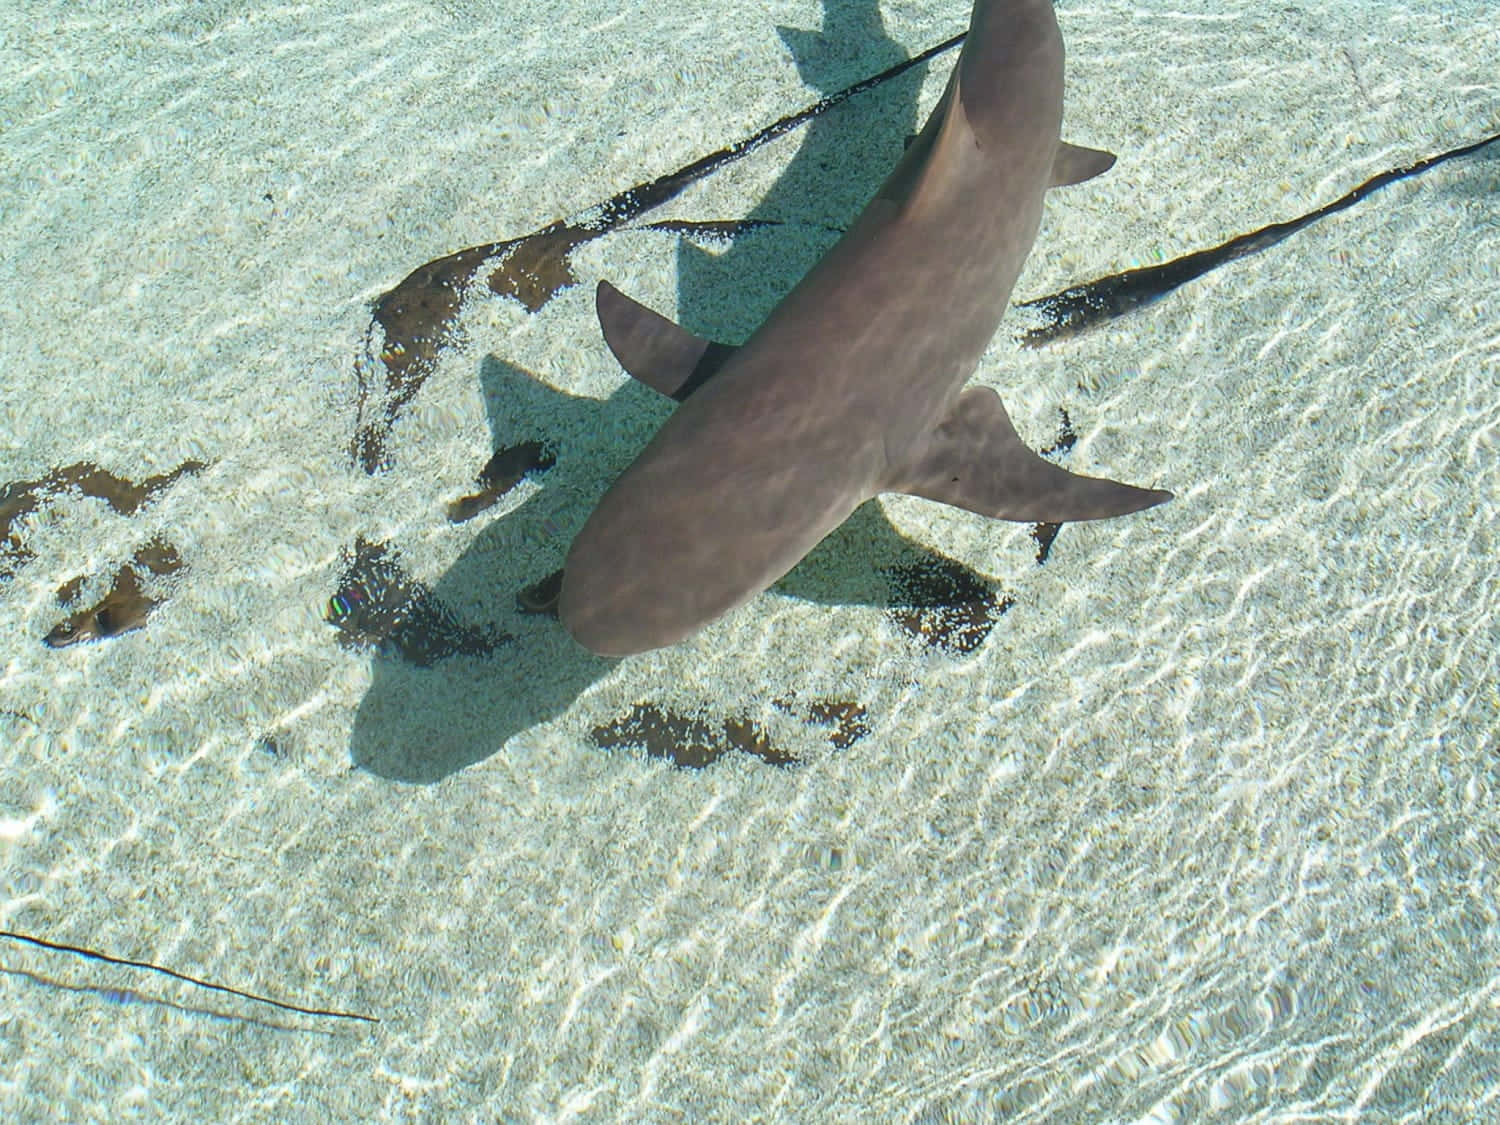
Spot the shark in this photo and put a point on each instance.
(857, 383)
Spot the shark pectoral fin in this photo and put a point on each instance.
(653, 350)
(977, 461)
(1073, 165)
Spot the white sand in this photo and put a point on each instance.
(1208, 824)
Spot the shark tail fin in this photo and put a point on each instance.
(977, 461)
(1074, 164)
(665, 356)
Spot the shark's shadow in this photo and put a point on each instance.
(845, 155)
(460, 667)
(431, 710)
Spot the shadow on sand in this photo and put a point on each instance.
(447, 694)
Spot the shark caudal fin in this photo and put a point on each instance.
(977, 461)
(665, 356)
(1073, 164)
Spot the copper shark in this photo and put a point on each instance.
(855, 383)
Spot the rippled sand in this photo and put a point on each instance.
(1203, 822)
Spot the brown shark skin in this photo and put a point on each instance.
(854, 384)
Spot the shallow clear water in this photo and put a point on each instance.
(1198, 817)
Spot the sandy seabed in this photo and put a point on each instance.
(1207, 823)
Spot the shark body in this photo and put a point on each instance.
(855, 383)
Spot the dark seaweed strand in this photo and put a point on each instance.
(1082, 306)
(633, 202)
(94, 955)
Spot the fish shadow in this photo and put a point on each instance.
(425, 718)
(845, 155)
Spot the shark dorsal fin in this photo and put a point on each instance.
(665, 356)
(975, 460)
(947, 139)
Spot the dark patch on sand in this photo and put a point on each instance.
(379, 606)
(687, 741)
(944, 604)
(846, 717)
(1044, 534)
(21, 498)
(501, 473)
(1067, 437)
(693, 741)
(541, 597)
(127, 604)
